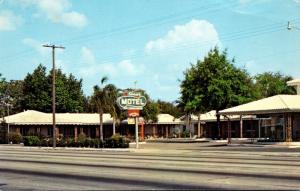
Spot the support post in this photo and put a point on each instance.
(153, 131)
(97, 132)
(136, 132)
(241, 126)
(229, 131)
(75, 134)
(259, 128)
(199, 125)
(142, 131)
(289, 128)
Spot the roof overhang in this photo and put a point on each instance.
(256, 112)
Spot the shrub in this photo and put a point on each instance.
(70, 142)
(97, 143)
(61, 142)
(186, 133)
(81, 139)
(46, 142)
(14, 137)
(88, 142)
(117, 141)
(32, 141)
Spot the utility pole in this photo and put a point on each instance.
(53, 90)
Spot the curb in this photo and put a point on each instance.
(68, 148)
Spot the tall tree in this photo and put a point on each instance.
(37, 90)
(14, 92)
(215, 83)
(69, 94)
(270, 84)
(112, 95)
(100, 101)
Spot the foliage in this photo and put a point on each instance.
(37, 90)
(97, 143)
(46, 142)
(150, 111)
(12, 95)
(81, 139)
(116, 141)
(186, 133)
(15, 137)
(170, 108)
(270, 84)
(215, 83)
(69, 92)
(31, 141)
(100, 101)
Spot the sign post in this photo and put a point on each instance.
(133, 102)
(136, 132)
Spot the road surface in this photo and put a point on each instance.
(160, 166)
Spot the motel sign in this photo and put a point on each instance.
(131, 102)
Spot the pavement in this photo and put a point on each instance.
(185, 166)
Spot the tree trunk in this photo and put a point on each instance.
(218, 124)
(199, 125)
(187, 127)
(101, 126)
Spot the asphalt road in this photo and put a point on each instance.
(157, 166)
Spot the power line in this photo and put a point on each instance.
(126, 29)
(224, 38)
(229, 37)
(138, 26)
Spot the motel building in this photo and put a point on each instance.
(278, 116)
(70, 125)
(273, 119)
(167, 126)
(208, 125)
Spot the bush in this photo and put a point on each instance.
(88, 142)
(61, 142)
(186, 133)
(32, 141)
(14, 137)
(97, 143)
(46, 142)
(81, 139)
(70, 142)
(116, 141)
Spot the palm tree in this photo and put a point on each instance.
(100, 101)
(112, 108)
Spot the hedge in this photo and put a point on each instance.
(115, 141)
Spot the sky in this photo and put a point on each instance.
(147, 44)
